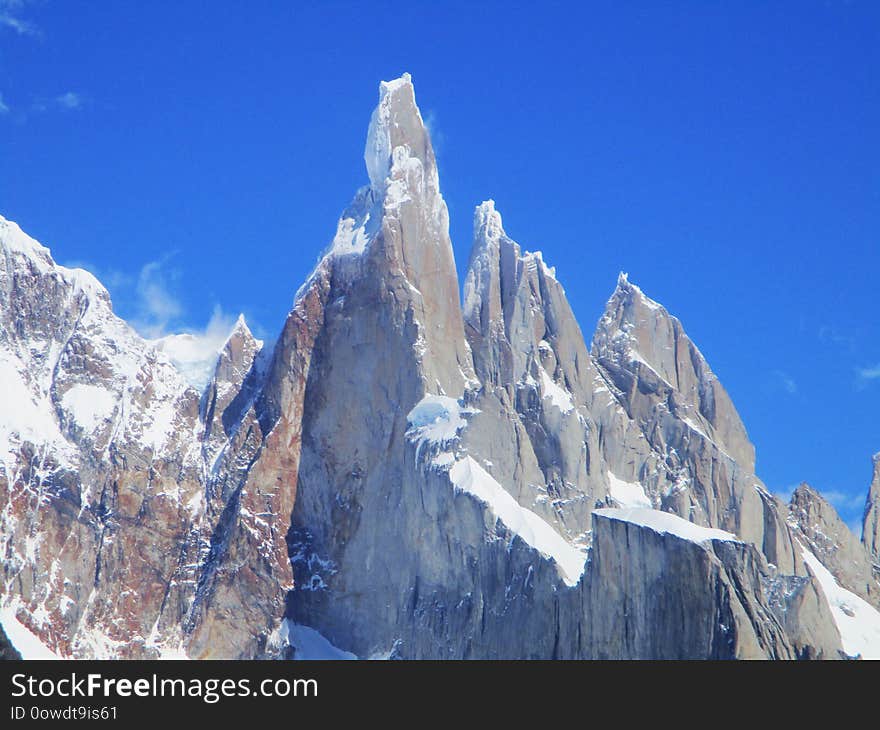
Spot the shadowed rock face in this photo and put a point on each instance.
(7, 651)
(410, 477)
(665, 597)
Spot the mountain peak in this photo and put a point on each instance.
(387, 87)
(487, 221)
(631, 291)
(396, 122)
(805, 492)
(240, 327)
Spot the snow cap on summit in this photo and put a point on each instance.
(396, 122)
(487, 220)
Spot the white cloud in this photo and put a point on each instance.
(159, 315)
(4, 109)
(69, 100)
(830, 335)
(157, 306)
(869, 373)
(10, 17)
(194, 353)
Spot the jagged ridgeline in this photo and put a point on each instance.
(400, 475)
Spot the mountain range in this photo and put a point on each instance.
(402, 473)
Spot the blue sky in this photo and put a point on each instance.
(196, 156)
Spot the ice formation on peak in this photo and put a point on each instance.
(625, 286)
(396, 99)
(487, 221)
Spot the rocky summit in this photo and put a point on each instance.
(401, 474)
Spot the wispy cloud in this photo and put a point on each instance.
(784, 493)
(866, 375)
(69, 100)
(438, 138)
(194, 353)
(830, 335)
(855, 527)
(157, 306)
(845, 502)
(158, 313)
(145, 298)
(11, 18)
(782, 380)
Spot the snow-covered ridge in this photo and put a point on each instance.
(487, 221)
(14, 241)
(857, 621)
(128, 390)
(489, 238)
(437, 420)
(469, 477)
(666, 523)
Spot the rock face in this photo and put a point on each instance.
(704, 462)
(400, 475)
(107, 521)
(821, 530)
(538, 382)
(871, 525)
(713, 593)
(7, 651)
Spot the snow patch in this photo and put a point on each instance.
(26, 415)
(666, 523)
(22, 638)
(628, 494)
(90, 405)
(857, 621)
(558, 395)
(310, 644)
(436, 419)
(469, 477)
